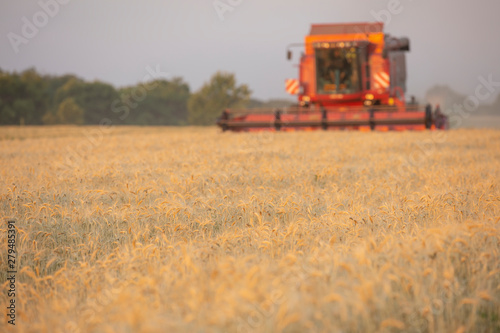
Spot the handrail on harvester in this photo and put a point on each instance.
(302, 110)
(324, 117)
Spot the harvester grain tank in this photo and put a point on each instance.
(351, 76)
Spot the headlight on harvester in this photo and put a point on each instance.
(368, 99)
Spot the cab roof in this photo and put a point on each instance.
(346, 28)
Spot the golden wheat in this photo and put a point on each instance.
(188, 229)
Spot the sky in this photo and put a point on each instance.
(453, 42)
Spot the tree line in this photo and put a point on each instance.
(453, 102)
(29, 98)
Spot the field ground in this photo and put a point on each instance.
(135, 229)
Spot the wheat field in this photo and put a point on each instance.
(131, 229)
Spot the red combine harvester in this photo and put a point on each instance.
(351, 76)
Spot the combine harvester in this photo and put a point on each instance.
(351, 76)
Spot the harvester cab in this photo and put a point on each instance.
(351, 76)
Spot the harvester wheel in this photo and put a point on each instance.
(428, 116)
(277, 120)
(224, 119)
(372, 119)
(324, 119)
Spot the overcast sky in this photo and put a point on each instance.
(452, 41)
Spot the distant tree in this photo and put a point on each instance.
(94, 98)
(50, 118)
(453, 104)
(444, 96)
(7, 115)
(10, 87)
(23, 98)
(53, 85)
(219, 93)
(25, 110)
(69, 112)
(97, 100)
(159, 102)
(32, 99)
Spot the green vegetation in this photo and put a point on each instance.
(219, 93)
(69, 112)
(29, 98)
(158, 102)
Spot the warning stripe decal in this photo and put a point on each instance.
(292, 86)
(381, 80)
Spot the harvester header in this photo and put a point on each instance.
(351, 76)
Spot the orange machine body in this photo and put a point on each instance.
(351, 76)
(377, 74)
